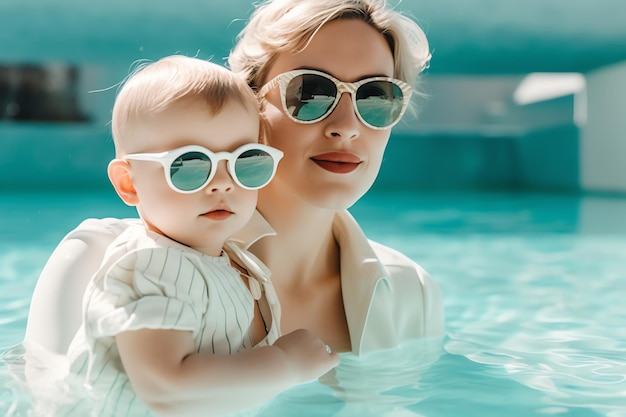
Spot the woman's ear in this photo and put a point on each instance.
(119, 175)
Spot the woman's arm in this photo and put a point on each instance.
(56, 306)
(172, 379)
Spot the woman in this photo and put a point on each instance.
(354, 294)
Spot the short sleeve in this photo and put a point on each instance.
(155, 288)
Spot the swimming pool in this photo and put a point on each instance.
(533, 290)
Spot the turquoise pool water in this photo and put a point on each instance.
(533, 288)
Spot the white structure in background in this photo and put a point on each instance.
(600, 113)
(603, 138)
(542, 86)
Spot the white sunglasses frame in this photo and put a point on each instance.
(282, 81)
(168, 157)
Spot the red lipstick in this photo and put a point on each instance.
(337, 162)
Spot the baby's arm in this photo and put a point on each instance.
(172, 379)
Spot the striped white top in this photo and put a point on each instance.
(149, 281)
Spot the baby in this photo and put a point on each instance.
(179, 320)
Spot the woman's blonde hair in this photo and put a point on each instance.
(289, 25)
(154, 87)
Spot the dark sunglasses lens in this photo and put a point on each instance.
(380, 103)
(310, 96)
(254, 168)
(190, 171)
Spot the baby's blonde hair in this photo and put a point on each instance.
(153, 87)
(289, 25)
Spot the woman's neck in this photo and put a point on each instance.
(304, 260)
(304, 249)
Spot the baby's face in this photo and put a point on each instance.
(203, 219)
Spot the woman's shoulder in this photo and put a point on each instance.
(372, 261)
(407, 276)
(412, 285)
(396, 262)
(108, 227)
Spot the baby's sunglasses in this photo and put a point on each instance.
(309, 96)
(190, 168)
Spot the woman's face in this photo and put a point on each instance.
(331, 163)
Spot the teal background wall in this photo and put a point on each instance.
(470, 133)
(543, 160)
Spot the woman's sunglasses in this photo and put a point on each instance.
(309, 96)
(191, 168)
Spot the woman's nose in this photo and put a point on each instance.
(343, 122)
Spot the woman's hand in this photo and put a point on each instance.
(308, 355)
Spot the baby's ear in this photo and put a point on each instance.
(119, 174)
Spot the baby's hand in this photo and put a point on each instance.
(309, 357)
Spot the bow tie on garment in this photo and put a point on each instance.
(257, 272)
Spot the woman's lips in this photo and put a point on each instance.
(337, 162)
